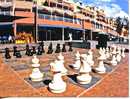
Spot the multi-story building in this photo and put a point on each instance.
(55, 19)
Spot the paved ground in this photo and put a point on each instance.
(13, 83)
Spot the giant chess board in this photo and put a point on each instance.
(22, 66)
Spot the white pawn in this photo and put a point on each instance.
(36, 75)
(60, 57)
(101, 68)
(77, 63)
(107, 53)
(84, 77)
(90, 57)
(57, 85)
(123, 52)
(118, 56)
(113, 61)
(35, 61)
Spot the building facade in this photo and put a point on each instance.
(50, 20)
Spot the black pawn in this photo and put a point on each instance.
(42, 46)
(30, 52)
(64, 48)
(14, 50)
(7, 54)
(27, 50)
(33, 50)
(39, 50)
(50, 49)
(18, 54)
(58, 50)
(70, 47)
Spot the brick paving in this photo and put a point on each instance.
(114, 83)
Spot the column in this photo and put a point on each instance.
(63, 34)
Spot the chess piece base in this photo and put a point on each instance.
(114, 63)
(57, 88)
(84, 78)
(101, 69)
(35, 65)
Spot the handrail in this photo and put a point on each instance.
(57, 18)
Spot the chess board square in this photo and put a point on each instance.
(73, 80)
(108, 68)
(44, 69)
(43, 83)
(19, 67)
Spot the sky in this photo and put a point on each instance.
(113, 8)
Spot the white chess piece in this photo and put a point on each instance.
(123, 52)
(70, 37)
(36, 75)
(61, 57)
(57, 85)
(58, 65)
(118, 56)
(107, 53)
(35, 61)
(77, 63)
(101, 68)
(84, 77)
(114, 61)
(90, 57)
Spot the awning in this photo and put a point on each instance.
(9, 18)
(6, 25)
(59, 26)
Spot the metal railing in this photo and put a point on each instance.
(57, 18)
(6, 12)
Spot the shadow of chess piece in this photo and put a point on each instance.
(14, 50)
(27, 50)
(42, 46)
(39, 50)
(58, 50)
(50, 49)
(18, 54)
(7, 54)
(64, 48)
(33, 50)
(70, 47)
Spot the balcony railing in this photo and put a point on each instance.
(57, 18)
(6, 13)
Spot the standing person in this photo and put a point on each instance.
(10, 39)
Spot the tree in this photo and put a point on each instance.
(119, 25)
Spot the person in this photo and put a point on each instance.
(10, 39)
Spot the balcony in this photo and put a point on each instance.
(6, 4)
(57, 18)
(23, 4)
(6, 13)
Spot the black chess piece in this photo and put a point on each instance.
(58, 50)
(27, 50)
(64, 48)
(33, 50)
(42, 46)
(14, 50)
(70, 47)
(30, 52)
(50, 49)
(18, 54)
(39, 50)
(7, 54)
